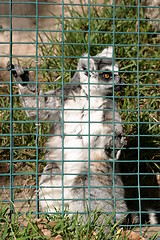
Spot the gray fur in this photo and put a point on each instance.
(76, 141)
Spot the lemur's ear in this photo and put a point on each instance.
(86, 65)
(107, 53)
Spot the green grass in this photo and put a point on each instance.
(75, 44)
(26, 226)
(46, 226)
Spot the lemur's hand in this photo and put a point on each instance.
(20, 75)
(118, 142)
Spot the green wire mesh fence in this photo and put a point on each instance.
(48, 39)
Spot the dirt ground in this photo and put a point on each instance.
(24, 28)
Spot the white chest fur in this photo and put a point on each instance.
(83, 123)
(83, 118)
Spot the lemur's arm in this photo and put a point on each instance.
(47, 105)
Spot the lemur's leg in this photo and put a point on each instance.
(46, 105)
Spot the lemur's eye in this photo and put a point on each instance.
(106, 76)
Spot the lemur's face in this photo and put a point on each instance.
(100, 71)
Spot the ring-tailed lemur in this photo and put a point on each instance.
(85, 131)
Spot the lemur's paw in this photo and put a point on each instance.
(9, 66)
(19, 73)
(16, 69)
(117, 142)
